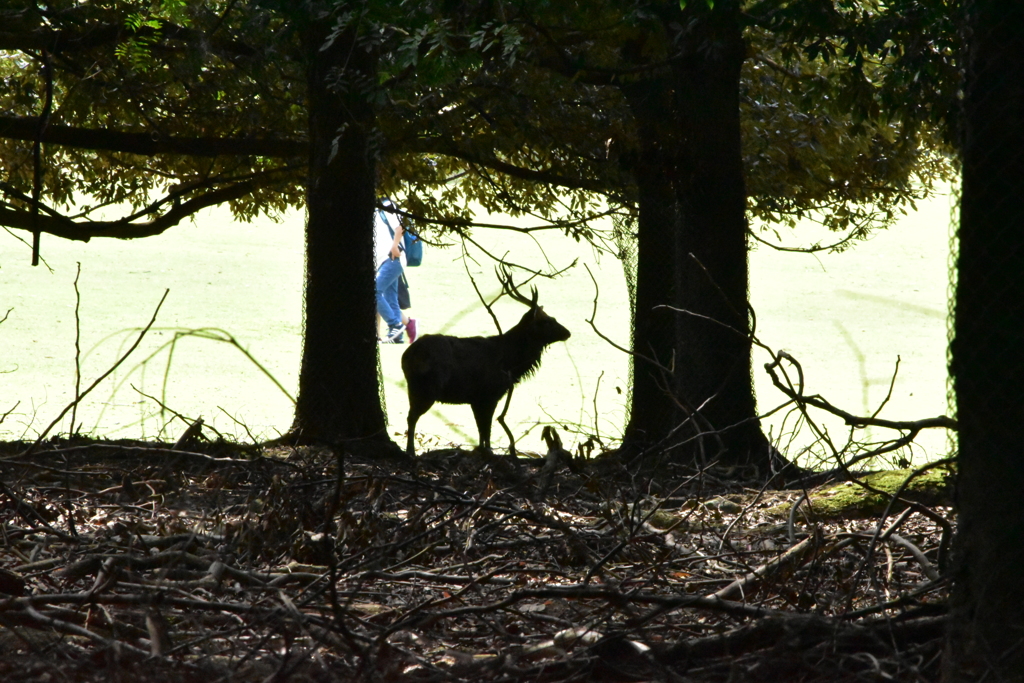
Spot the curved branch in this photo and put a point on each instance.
(850, 419)
(83, 231)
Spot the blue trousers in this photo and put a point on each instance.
(387, 291)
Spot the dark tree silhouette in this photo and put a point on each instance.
(987, 622)
(692, 386)
(338, 399)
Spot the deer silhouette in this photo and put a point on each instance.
(477, 370)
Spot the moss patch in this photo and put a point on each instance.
(851, 500)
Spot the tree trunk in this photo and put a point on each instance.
(339, 397)
(693, 257)
(986, 637)
(657, 418)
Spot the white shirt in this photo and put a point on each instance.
(383, 239)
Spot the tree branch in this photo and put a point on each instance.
(148, 144)
(32, 36)
(83, 231)
(551, 177)
(849, 418)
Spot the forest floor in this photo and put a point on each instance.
(130, 561)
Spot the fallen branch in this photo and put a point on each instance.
(786, 563)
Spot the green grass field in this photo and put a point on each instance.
(847, 317)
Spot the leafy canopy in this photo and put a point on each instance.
(174, 105)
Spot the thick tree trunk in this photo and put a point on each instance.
(986, 639)
(339, 396)
(715, 367)
(693, 257)
(657, 417)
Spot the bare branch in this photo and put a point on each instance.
(849, 418)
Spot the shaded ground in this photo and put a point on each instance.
(132, 562)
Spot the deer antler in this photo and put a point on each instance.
(505, 277)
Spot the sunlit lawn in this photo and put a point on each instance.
(847, 317)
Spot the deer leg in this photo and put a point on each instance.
(417, 406)
(501, 421)
(484, 413)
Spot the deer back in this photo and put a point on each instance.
(455, 369)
